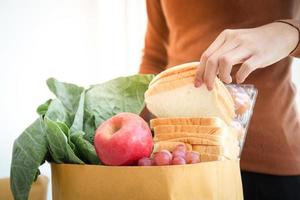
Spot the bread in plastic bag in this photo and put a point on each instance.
(244, 97)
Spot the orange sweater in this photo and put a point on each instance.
(179, 31)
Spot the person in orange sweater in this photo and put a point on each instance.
(240, 41)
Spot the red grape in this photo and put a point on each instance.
(145, 162)
(162, 158)
(192, 157)
(178, 161)
(168, 152)
(180, 147)
(178, 153)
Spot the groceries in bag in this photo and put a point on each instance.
(213, 123)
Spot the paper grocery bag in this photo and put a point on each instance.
(218, 180)
(38, 189)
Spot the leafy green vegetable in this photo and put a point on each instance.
(79, 116)
(60, 150)
(29, 152)
(42, 109)
(65, 131)
(89, 127)
(86, 151)
(57, 112)
(68, 94)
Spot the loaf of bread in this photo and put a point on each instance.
(209, 136)
(172, 94)
(220, 139)
(204, 141)
(201, 121)
(231, 152)
(170, 146)
(168, 136)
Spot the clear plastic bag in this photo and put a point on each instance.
(244, 96)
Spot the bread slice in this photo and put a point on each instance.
(230, 152)
(211, 130)
(207, 121)
(177, 72)
(194, 130)
(169, 136)
(170, 146)
(173, 94)
(203, 141)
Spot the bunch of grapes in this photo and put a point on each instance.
(179, 156)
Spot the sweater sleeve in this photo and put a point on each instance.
(296, 24)
(155, 56)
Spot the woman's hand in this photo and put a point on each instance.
(253, 48)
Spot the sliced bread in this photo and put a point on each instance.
(207, 121)
(230, 152)
(170, 146)
(173, 94)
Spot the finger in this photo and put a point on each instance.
(199, 76)
(227, 60)
(212, 63)
(247, 67)
(219, 41)
(211, 49)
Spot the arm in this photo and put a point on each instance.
(155, 55)
(252, 48)
(296, 25)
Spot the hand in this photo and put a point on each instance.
(253, 48)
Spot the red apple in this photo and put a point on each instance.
(123, 140)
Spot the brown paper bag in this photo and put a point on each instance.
(219, 180)
(38, 189)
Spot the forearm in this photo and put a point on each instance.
(296, 24)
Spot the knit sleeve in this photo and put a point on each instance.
(155, 56)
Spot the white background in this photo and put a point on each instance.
(79, 41)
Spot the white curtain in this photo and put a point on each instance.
(79, 41)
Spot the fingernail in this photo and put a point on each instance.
(228, 80)
(197, 83)
(209, 88)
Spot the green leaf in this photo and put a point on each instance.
(66, 131)
(86, 151)
(60, 150)
(57, 112)
(68, 94)
(89, 127)
(29, 152)
(124, 94)
(42, 109)
(79, 116)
